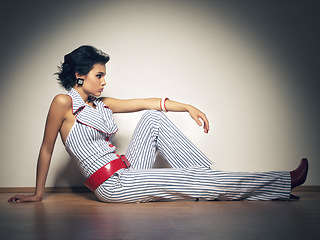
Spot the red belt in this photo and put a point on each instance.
(102, 174)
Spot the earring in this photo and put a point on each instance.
(80, 81)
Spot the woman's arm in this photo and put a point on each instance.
(57, 112)
(134, 105)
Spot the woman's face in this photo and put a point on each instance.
(94, 81)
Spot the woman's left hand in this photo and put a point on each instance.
(196, 114)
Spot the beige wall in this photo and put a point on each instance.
(262, 108)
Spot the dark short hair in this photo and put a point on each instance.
(80, 60)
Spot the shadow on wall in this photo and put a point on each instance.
(69, 175)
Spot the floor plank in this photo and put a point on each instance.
(82, 216)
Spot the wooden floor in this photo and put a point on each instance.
(80, 216)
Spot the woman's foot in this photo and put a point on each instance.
(299, 175)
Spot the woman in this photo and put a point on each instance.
(87, 128)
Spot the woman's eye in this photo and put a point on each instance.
(99, 76)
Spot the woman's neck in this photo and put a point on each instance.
(82, 93)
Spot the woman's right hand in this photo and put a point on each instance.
(24, 198)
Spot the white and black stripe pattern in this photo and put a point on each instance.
(89, 141)
(189, 177)
(144, 185)
(156, 132)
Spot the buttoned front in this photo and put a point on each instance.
(90, 139)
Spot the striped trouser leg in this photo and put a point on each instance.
(189, 177)
(145, 185)
(155, 132)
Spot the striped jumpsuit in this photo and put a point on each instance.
(89, 142)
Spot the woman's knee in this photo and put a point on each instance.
(151, 115)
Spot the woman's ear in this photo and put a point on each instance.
(78, 75)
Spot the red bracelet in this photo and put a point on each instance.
(163, 104)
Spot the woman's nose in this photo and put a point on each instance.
(103, 81)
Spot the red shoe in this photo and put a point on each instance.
(299, 175)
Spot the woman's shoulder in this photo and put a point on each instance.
(62, 101)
